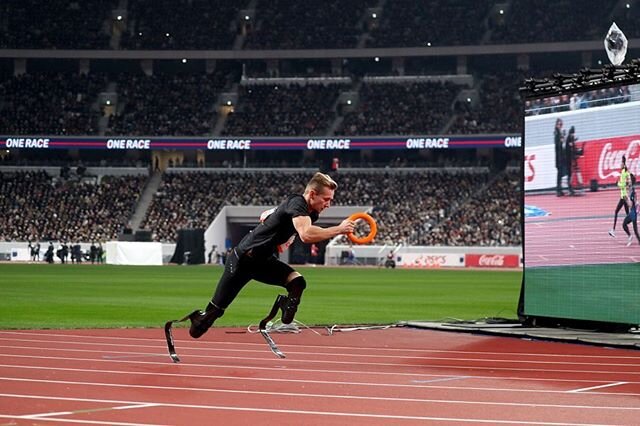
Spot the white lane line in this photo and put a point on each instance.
(92, 422)
(336, 396)
(90, 410)
(438, 377)
(360, 361)
(37, 416)
(443, 379)
(214, 344)
(129, 407)
(299, 412)
(608, 385)
(287, 368)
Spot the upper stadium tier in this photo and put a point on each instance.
(312, 24)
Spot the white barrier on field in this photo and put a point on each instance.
(133, 253)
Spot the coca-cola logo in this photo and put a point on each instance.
(529, 171)
(610, 160)
(491, 260)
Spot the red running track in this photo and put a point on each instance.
(576, 231)
(373, 377)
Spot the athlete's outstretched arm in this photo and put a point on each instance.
(310, 233)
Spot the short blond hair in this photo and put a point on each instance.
(319, 181)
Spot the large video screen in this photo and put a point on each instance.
(579, 263)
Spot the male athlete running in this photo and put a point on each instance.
(255, 257)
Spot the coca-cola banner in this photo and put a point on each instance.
(492, 261)
(602, 159)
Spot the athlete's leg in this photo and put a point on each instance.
(295, 286)
(625, 225)
(276, 272)
(621, 203)
(233, 279)
(635, 228)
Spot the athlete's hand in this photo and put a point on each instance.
(347, 226)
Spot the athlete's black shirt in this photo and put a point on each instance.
(276, 229)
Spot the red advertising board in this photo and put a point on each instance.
(492, 260)
(602, 158)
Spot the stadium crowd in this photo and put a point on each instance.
(498, 110)
(450, 209)
(575, 101)
(491, 216)
(416, 23)
(312, 24)
(283, 110)
(290, 24)
(387, 108)
(50, 104)
(160, 104)
(31, 24)
(181, 24)
(37, 207)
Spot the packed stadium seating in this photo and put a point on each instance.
(50, 104)
(39, 208)
(552, 21)
(181, 24)
(416, 23)
(498, 110)
(414, 108)
(34, 24)
(403, 215)
(312, 24)
(283, 110)
(182, 105)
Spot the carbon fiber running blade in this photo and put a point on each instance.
(272, 345)
(170, 345)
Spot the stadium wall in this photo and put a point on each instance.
(422, 257)
(418, 257)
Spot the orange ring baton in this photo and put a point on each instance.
(372, 226)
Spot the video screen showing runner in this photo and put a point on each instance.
(581, 244)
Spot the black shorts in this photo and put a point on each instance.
(238, 271)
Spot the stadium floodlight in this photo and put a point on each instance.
(501, 12)
(184, 60)
(167, 34)
(119, 17)
(374, 15)
(247, 17)
(377, 59)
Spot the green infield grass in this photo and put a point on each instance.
(107, 296)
